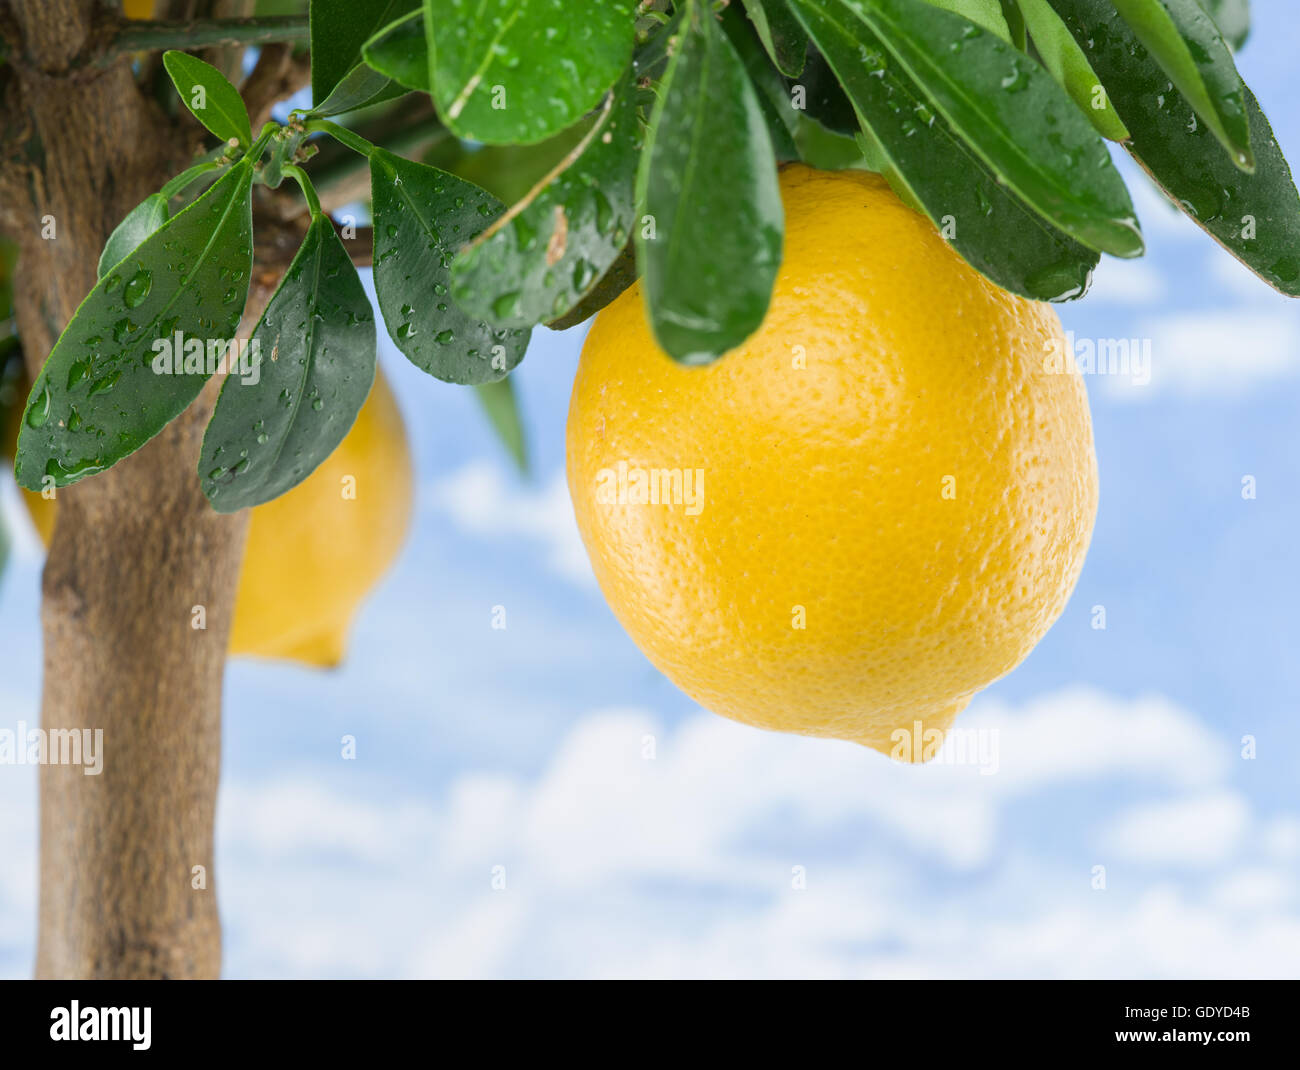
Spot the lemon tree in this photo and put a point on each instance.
(682, 113)
(727, 186)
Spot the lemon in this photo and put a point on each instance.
(314, 552)
(868, 512)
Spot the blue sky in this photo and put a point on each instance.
(523, 748)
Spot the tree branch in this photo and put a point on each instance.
(201, 33)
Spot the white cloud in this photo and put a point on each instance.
(481, 501)
(617, 863)
(712, 849)
(1200, 830)
(1218, 353)
(1126, 282)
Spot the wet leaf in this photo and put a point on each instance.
(1183, 39)
(1015, 22)
(1014, 115)
(1233, 19)
(1062, 56)
(209, 96)
(821, 99)
(359, 88)
(773, 90)
(536, 263)
(399, 51)
(712, 245)
(621, 274)
(782, 35)
(422, 218)
(518, 71)
(338, 30)
(985, 13)
(297, 390)
(502, 410)
(108, 386)
(996, 232)
(1256, 217)
(141, 221)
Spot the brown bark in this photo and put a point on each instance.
(136, 549)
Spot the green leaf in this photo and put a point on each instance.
(400, 51)
(993, 229)
(1015, 23)
(782, 36)
(773, 90)
(359, 88)
(338, 30)
(543, 256)
(422, 217)
(820, 97)
(1183, 39)
(1256, 217)
(1233, 19)
(828, 151)
(985, 13)
(309, 366)
(1015, 117)
(141, 221)
(99, 397)
(1062, 56)
(708, 181)
(621, 274)
(213, 100)
(502, 411)
(518, 71)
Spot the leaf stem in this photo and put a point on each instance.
(185, 178)
(203, 33)
(265, 135)
(304, 184)
(341, 134)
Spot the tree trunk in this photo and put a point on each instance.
(135, 551)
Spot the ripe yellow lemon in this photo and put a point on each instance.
(868, 512)
(314, 553)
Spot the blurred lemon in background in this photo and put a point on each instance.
(315, 552)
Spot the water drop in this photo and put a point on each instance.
(506, 305)
(102, 386)
(137, 288)
(583, 274)
(39, 411)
